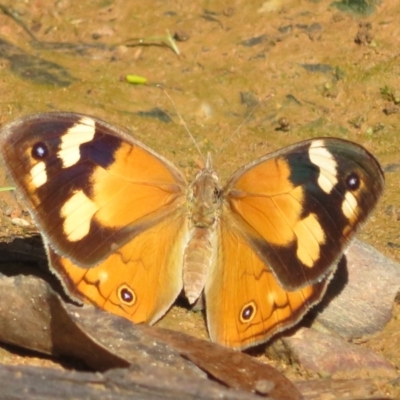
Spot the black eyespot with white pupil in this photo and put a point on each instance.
(353, 181)
(40, 151)
(126, 295)
(248, 312)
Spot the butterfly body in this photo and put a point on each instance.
(124, 231)
(204, 200)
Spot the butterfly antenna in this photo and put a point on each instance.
(248, 116)
(183, 122)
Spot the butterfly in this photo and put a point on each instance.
(124, 231)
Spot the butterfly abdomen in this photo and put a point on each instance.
(197, 261)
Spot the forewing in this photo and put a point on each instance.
(90, 187)
(299, 207)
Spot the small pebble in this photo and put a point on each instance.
(264, 386)
(181, 36)
(20, 222)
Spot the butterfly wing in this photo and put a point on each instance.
(90, 187)
(245, 303)
(285, 221)
(299, 207)
(107, 207)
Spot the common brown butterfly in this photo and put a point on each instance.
(126, 232)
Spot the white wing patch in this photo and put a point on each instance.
(78, 212)
(349, 206)
(82, 132)
(39, 174)
(322, 158)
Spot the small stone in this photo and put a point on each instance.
(364, 35)
(264, 386)
(181, 36)
(20, 222)
(284, 124)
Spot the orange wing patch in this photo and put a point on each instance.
(268, 201)
(132, 187)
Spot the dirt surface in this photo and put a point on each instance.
(332, 72)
